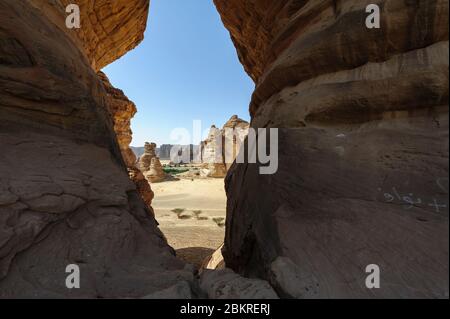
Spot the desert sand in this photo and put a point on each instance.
(191, 214)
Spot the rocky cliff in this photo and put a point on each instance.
(222, 146)
(363, 147)
(363, 154)
(65, 195)
(212, 156)
(234, 131)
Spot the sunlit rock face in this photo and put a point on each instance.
(109, 29)
(65, 195)
(363, 148)
(222, 146)
(150, 165)
(146, 159)
(156, 173)
(234, 131)
(212, 156)
(121, 110)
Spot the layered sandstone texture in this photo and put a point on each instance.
(65, 195)
(212, 157)
(150, 165)
(222, 146)
(234, 131)
(146, 159)
(156, 173)
(363, 148)
(121, 111)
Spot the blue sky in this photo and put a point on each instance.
(186, 69)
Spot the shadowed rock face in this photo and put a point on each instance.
(363, 148)
(363, 161)
(65, 195)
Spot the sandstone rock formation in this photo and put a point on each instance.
(146, 159)
(212, 156)
(234, 133)
(221, 147)
(142, 186)
(121, 110)
(65, 193)
(156, 173)
(150, 165)
(109, 29)
(363, 154)
(363, 148)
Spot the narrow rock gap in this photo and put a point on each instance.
(186, 198)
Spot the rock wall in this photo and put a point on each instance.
(109, 29)
(65, 195)
(212, 156)
(363, 148)
(121, 110)
(235, 130)
(363, 160)
(221, 147)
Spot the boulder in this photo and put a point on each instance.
(225, 284)
(215, 261)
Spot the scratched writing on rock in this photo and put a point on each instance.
(410, 200)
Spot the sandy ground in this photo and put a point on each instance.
(195, 234)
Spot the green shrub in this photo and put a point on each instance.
(178, 211)
(174, 171)
(219, 221)
(197, 212)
